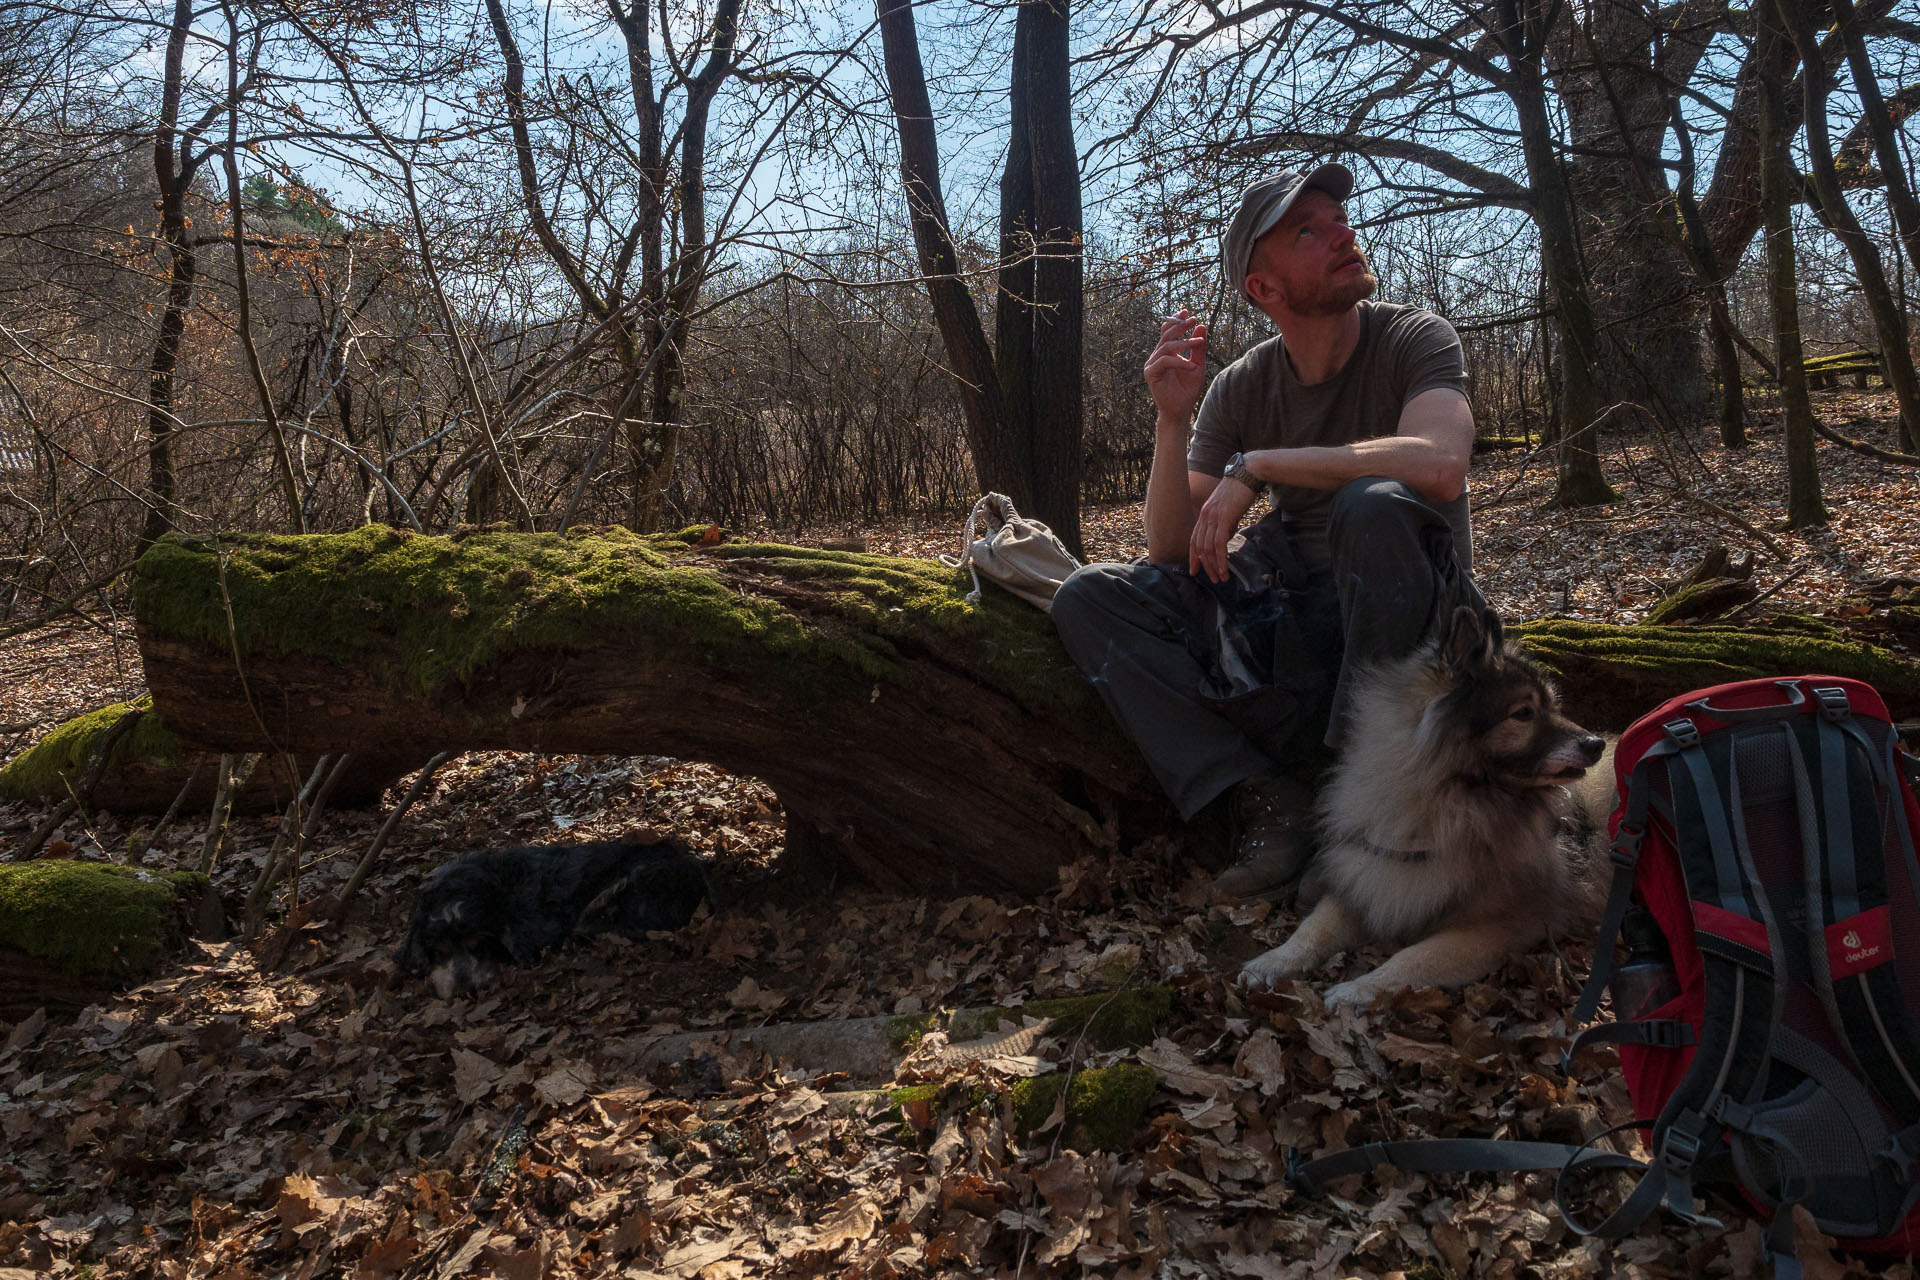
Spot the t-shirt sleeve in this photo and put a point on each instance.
(1427, 354)
(1215, 432)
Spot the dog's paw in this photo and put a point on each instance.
(1267, 968)
(1356, 993)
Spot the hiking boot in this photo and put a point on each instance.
(1273, 836)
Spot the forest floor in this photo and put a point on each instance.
(297, 1109)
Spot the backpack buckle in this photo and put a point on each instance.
(1684, 732)
(1734, 1115)
(1625, 850)
(1681, 1149)
(1834, 706)
(1902, 1151)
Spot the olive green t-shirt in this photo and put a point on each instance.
(1257, 403)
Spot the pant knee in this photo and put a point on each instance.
(1368, 512)
(1077, 594)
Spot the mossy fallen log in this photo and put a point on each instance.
(922, 741)
(1610, 676)
(73, 932)
(149, 765)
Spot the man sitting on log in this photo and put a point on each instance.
(1229, 660)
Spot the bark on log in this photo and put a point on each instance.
(927, 743)
(147, 770)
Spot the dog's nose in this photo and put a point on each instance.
(1593, 747)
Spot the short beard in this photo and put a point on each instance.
(1337, 298)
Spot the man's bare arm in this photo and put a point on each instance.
(1429, 455)
(1176, 375)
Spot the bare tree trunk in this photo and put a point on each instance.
(174, 176)
(1000, 460)
(1615, 63)
(1059, 315)
(243, 294)
(1778, 190)
(1888, 322)
(1706, 267)
(1015, 301)
(1581, 481)
(1878, 122)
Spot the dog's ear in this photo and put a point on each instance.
(1466, 645)
(1496, 634)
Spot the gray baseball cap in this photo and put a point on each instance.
(1263, 204)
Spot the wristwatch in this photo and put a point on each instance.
(1237, 469)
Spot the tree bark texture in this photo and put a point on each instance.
(1058, 315)
(1001, 459)
(1646, 302)
(1581, 481)
(173, 174)
(919, 741)
(1890, 324)
(1779, 187)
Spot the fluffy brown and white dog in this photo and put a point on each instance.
(1464, 821)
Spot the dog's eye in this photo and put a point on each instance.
(1522, 713)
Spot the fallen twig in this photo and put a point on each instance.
(387, 828)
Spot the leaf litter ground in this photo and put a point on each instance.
(295, 1110)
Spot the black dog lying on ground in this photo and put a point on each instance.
(506, 906)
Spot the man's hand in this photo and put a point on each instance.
(1218, 521)
(1177, 369)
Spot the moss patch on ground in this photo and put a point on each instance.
(43, 772)
(416, 612)
(92, 919)
(1109, 1019)
(1104, 1104)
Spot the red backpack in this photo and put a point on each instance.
(1765, 874)
(1766, 828)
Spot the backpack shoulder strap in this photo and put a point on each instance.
(1624, 852)
(1850, 942)
(1740, 952)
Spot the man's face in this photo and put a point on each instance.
(1309, 264)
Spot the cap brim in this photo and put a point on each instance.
(1334, 179)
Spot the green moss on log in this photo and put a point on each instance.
(416, 613)
(1659, 662)
(90, 918)
(1707, 599)
(44, 771)
(1104, 1104)
(1110, 1020)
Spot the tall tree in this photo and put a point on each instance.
(1779, 191)
(179, 151)
(1023, 403)
(1888, 320)
(1612, 64)
(645, 320)
(1522, 31)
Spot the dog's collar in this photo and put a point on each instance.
(1399, 855)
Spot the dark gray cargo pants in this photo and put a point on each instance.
(1143, 634)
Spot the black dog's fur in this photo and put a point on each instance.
(496, 906)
